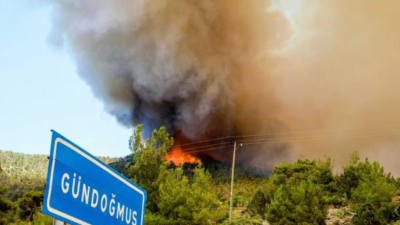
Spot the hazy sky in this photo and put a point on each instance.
(40, 90)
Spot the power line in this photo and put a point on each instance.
(221, 143)
(211, 149)
(314, 138)
(330, 136)
(286, 140)
(285, 133)
(209, 140)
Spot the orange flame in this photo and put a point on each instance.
(177, 156)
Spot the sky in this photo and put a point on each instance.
(40, 90)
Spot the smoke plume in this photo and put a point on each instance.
(214, 68)
(342, 71)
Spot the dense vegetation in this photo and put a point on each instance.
(301, 192)
(295, 193)
(304, 192)
(22, 173)
(22, 181)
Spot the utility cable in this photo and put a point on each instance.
(285, 133)
(286, 140)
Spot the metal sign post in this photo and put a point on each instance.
(59, 222)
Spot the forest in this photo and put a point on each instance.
(305, 192)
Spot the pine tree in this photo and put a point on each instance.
(187, 201)
(366, 215)
(258, 203)
(149, 156)
(297, 203)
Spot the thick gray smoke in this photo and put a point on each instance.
(211, 68)
(187, 65)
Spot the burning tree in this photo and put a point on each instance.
(173, 197)
(149, 156)
(177, 156)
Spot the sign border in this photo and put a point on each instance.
(88, 156)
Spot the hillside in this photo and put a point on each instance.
(23, 172)
(306, 190)
(26, 172)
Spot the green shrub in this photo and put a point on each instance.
(297, 203)
(41, 219)
(257, 204)
(366, 215)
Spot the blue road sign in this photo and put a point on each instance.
(81, 189)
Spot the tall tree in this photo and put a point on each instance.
(188, 201)
(149, 156)
(173, 196)
(29, 203)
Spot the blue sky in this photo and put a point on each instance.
(41, 90)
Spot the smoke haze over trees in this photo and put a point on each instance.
(251, 67)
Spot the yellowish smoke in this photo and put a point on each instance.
(212, 68)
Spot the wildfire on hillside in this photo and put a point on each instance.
(244, 68)
(177, 156)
